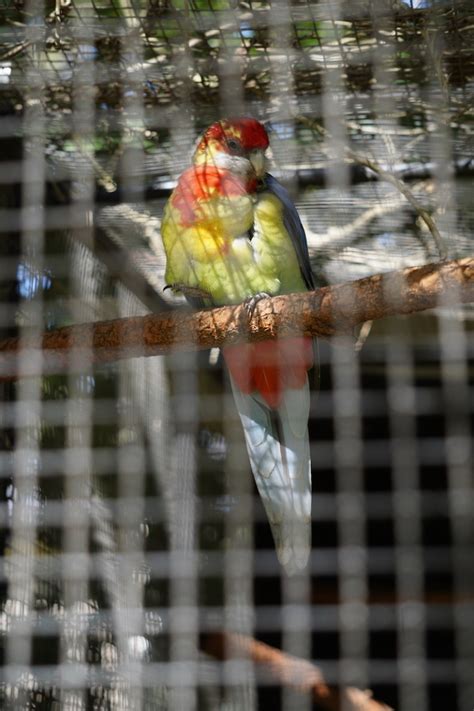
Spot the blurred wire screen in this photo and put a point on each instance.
(134, 543)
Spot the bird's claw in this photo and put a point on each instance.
(191, 291)
(251, 302)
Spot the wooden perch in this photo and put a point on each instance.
(291, 671)
(324, 312)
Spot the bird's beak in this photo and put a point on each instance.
(258, 161)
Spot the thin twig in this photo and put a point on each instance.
(403, 188)
(291, 671)
(103, 177)
(14, 51)
(364, 333)
(389, 177)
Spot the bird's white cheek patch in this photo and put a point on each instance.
(237, 165)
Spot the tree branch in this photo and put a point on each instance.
(407, 193)
(324, 312)
(389, 177)
(291, 671)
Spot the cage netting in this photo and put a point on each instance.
(138, 567)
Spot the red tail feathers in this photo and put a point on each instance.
(270, 367)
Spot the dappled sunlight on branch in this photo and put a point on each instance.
(324, 312)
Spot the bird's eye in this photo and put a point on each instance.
(234, 146)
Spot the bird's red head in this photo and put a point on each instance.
(236, 136)
(236, 146)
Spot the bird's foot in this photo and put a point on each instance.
(251, 302)
(191, 291)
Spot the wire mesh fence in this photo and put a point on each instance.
(138, 565)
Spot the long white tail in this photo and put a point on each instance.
(278, 447)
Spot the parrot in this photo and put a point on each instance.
(231, 235)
